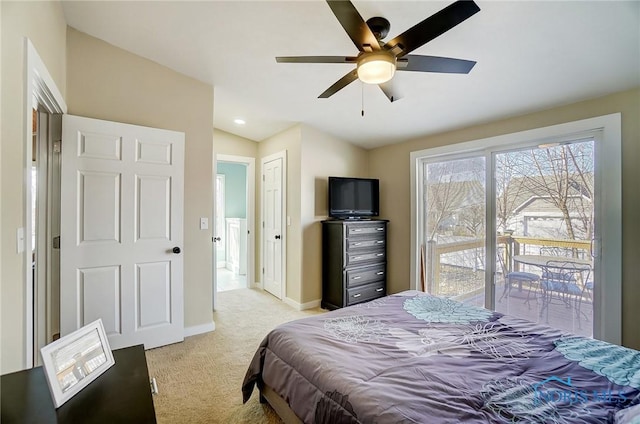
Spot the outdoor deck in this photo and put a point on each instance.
(560, 316)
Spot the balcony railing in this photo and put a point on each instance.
(457, 268)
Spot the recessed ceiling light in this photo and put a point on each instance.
(239, 121)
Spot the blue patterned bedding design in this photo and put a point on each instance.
(416, 358)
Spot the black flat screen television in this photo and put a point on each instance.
(353, 198)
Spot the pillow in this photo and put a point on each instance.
(629, 415)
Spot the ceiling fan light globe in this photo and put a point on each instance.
(376, 68)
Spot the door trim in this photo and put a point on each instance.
(216, 230)
(251, 207)
(279, 155)
(39, 90)
(608, 151)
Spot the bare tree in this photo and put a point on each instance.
(440, 195)
(508, 187)
(453, 189)
(563, 176)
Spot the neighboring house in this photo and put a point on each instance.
(533, 212)
(99, 80)
(539, 217)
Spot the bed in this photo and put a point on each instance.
(416, 358)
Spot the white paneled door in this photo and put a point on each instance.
(121, 231)
(272, 213)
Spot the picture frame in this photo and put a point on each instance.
(72, 362)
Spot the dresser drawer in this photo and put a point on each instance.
(356, 258)
(364, 293)
(360, 276)
(363, 229)
(376, 240)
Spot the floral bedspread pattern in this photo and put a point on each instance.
(416, 358)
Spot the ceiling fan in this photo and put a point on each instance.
(377, 61)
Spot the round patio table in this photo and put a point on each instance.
(550, 261)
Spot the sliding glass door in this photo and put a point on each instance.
(520, 244)
(454, 193)
(544, 221)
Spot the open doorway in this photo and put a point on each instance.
(45, 227)
(233, 223)
(44, 106)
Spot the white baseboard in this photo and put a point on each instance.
(199, 329)
(302, 306)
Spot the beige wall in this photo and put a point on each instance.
(322, 156)
(312, 156)
(44, 24)
(391, 165)
(109, 83)
(225, 143)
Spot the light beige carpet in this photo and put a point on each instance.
(200, 379)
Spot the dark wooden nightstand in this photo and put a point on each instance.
(121, 395)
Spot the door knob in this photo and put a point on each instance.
(215, 239)
(176, 250)
(278, 237)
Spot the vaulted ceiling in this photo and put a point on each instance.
(531, 55)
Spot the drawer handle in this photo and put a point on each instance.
(380, 273)
(380, 229)
(357, 244)
(380, 254)
(357, 277)
(379, 290)
(357, 230)
(357, 295)
(380, 241)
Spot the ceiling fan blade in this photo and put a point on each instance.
(340, 84)
(316, 59)
(445, 65)
(356, 28)
(388, 91)
(433, 26)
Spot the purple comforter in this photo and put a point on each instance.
(416, 358)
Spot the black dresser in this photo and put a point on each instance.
(354, 261)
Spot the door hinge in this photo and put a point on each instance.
(56, 242)
(262, 177)
(57, 146)
(263, 270)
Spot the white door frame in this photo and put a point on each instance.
(279, 155)
(39, 90)
(608, 153)
(251, 190)
(216, 219)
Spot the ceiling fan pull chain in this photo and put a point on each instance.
(362, 99)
